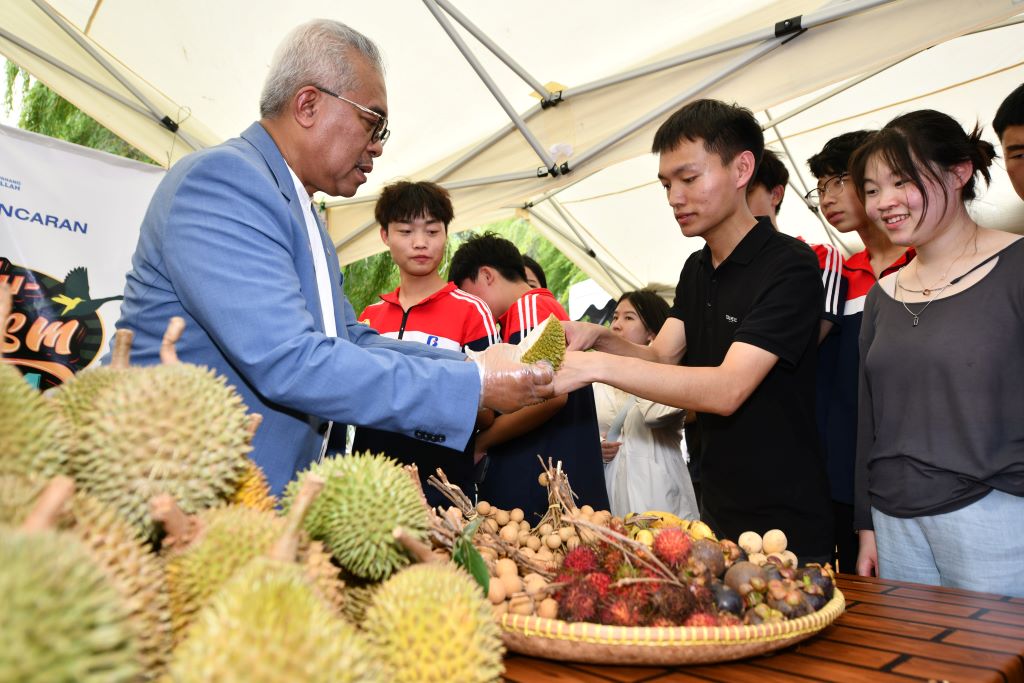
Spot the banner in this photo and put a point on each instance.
(69, 221)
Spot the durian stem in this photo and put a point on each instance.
(180, 528)
(121, 355)
(453, 493)
(168, 354)
(286, 548)
(413, 473)
(254, 422)
(47, 509)
(419, 550)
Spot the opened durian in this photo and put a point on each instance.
(544, 342)
(365, 497)
(267, 625)
(62, 619)
(254, 491)
(174, 428)
(431, 622)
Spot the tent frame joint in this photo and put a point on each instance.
(553, 100)
(789, 26)
(169, 123)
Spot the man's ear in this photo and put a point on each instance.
(744, 164)
(384, 235)
(305, 105)
(778, 192)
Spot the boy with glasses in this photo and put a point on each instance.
(838, 354)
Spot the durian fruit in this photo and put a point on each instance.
(254, 491)
(33, 435)
(77, 396)
(116, 548)
(62, 620)
(174, 428)
(365, 497)
(266, 625)
(431, 622)
(227, 538)
(358, 598)
(544, 342)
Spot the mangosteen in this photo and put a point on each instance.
(741, 573)
(709, 553)
(812, 574)
(726, 599)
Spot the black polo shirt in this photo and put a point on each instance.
(761, 467)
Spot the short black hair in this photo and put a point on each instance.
(1010, 112)
(652, 309)
(406, 201)
(834, 157)
(530, 263)
(488, 249)
(725, 129)
(771, 172)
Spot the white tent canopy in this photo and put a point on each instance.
(578, 164)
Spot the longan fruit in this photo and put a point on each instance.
(545, 529)
(789, 557)
(513, 584)
(533, 543)
(587, 510)
(509, 533)
(496, 592)
(548, 608)
(483, 508)
(523, 537)
(506, 565)
(454, 514)
(528, 551)
(490, 525)
(544, 555)
(566, 532)
(543, 479)
(516, 515)
(774, 541)
(521, 604)
(502, 517)
(572, 543)
(524, 525)
(552, 541)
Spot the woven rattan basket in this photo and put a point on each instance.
(598, 644)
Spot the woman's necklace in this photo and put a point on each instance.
(927, 291)
(932, 297)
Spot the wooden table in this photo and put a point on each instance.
(891, 631)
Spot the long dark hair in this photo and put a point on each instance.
(651, 308)
(925, 144)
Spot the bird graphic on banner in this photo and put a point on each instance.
(76, 295)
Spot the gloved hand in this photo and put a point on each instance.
(506, 384)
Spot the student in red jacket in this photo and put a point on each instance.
(414, 220)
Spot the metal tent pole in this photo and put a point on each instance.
(572, 222)
(524, 130)
(164, 120)
(486, 41)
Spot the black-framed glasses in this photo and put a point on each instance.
(830, 188)
(380, 129)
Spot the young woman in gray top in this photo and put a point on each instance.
(940, 451)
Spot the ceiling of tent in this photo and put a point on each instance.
(202, 66)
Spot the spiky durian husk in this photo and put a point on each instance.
(266, 625)
(233, 536)
(76, 397)
(117, 549)
(254, 491)
(431, 622)
(358, 598)
(177, 429)
(34, 436)
(62, 620)
(364, 498)
(545, 342)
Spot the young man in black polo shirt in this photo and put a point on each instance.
(742, 338)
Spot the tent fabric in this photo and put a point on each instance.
(203, 66)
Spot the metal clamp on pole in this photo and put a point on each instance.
(554, 100)
(788, 26)
(169, 124)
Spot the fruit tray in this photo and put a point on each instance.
(640, 645)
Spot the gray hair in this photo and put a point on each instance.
(314, 53)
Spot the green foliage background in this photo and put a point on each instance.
(44, 111)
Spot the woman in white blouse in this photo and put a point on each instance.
(641, 441)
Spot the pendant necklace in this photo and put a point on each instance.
(934, 296)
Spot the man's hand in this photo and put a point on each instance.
(581, 336)
(577, 370)
(609, 449)
(507, 385)
(867, 557)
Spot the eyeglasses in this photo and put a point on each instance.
(380, 129)
(830, 188)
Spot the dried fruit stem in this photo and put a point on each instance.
(168, 354)
(254, 422)
(286, 548)
(120, 357)
(181, 529)
(47, 508)
(419, 550)
(453, 493)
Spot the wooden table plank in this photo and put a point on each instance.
(939, 620)
(837, 672)
(939, 650)
(929, 606)
(891, 626)
(944, 671)
(988, 602)
(739, 672)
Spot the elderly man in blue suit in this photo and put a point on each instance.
(231, 243)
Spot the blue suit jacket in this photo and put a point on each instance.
(224, 245)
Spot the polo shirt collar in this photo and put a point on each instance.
(862, 261)
(744, 252)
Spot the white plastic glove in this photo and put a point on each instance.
(506, 385)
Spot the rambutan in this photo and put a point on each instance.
(663, 622)
(620, 612)
(701, 619)
(581, 560)
(599, 583)
(672, 546)
(612, 561)
(577, 602)
(705, 599)
(673, 602)
(729, 619)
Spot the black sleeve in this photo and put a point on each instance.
(785, 315)
(685, 286)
